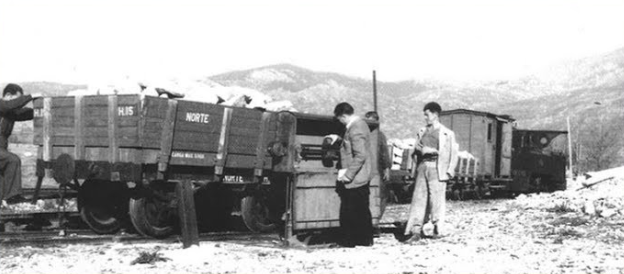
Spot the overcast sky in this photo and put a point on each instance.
(82, 41)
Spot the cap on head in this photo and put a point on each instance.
(372, 115)
(12, 89)
(433, 107)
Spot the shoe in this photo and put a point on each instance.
(414, 239)
(365, 243)
(437, 236)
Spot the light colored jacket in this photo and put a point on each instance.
(355, 154)
(447, 152)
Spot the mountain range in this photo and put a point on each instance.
(542, 101)
(588, 90)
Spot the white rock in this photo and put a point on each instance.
(608, 212)
(589, 208)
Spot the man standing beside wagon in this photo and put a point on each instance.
(436, 158)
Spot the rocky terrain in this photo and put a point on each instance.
(537, 233)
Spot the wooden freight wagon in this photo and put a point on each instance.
(488, 137)
(125, 153)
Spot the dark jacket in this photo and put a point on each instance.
(355, 154)
(384, 154)
(10, 112)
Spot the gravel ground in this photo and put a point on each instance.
(562, 232)
(494, 236)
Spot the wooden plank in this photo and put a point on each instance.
(62, 131)
(47, 129)
(65, 112)
(113, 141)
(132, 122)
(63, 141)
(66, 121)
(128, 99)
(286, 128)
(223, 141)
(201, 141)
(79, 113)
(166, 142)
(96, 100)
(63, 101)
(92, 121)
(261, 145)
(244, 161)
(242, 144)
(186, 211)
(321, 179)
(96, 141)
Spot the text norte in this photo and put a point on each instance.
(197, 117)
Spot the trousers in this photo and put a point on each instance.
(356, 222)
(428, 200)
(10, 174)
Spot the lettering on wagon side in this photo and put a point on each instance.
(197, 117)
(38, 112)
(126, 111)
(187, 155)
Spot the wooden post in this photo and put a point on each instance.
(570, 147)
(166, 141)
(222, 151)
(375, 91)
(186, 211)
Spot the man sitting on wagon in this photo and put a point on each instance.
(12, 110)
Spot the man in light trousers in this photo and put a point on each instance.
(436, 157)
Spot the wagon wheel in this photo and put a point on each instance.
(103, 205)
(479, 192)
(458, 194)
(155, 215)
(255, 213)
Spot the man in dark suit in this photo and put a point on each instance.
(384, 163)
(354, 175)
(11, 110)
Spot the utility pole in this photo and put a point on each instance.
(570, 147)
(374, 91)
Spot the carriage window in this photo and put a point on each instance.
(489, 133)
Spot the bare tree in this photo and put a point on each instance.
(600, 144)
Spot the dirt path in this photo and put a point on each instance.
(497, 236)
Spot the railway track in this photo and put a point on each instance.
(66, 237)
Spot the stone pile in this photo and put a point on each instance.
(600, 194)
(191, 90)
(47, 205)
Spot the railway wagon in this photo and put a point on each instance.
(488, 138)
(125, 154)
(509, 160)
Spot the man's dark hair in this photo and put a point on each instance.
(372, 115)
(12, 89)
(433, 107)
(343, 108)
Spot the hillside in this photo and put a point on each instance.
(540, 101)
(589, 90)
